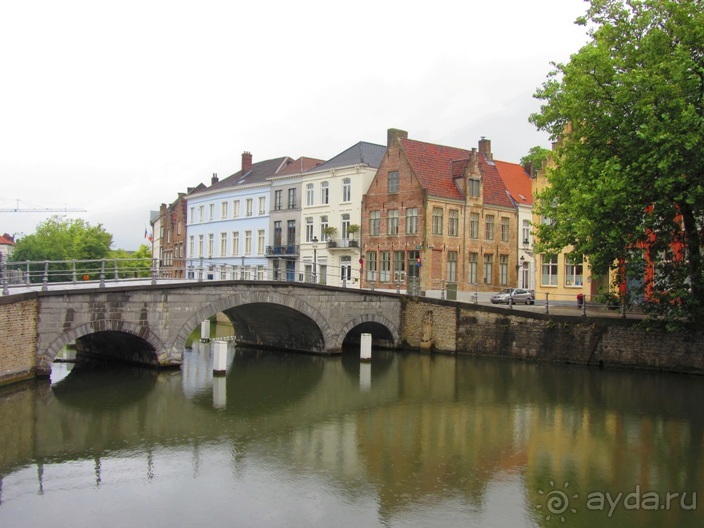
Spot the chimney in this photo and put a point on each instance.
(485, 148)
(214, 179)
(246, 161)
(393, 134)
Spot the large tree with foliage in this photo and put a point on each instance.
(60, 238)
(628, 178)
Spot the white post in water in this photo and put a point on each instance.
(205, 331)
(365, 348)
(219, 358)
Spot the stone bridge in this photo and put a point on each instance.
(150, 324)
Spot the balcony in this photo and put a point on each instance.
(287, 251)
(341, 243)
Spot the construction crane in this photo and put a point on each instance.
(19, 209)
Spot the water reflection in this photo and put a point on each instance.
(408, 440)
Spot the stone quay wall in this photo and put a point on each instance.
(443, 326)
(18, 338)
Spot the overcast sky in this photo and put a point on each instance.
(115, 107)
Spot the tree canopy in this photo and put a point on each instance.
(59, 238)
(627, 112)
(535, 158)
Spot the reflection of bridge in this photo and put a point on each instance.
(149, 324)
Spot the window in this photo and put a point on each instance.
(345, 226)
(489, 227)
(437, 221)
(191, 246)
(526, 232)
(309, 194)
(277, 200)
(192, 216)
(393, 222)
(503, 269)
(236, 209)
(260, 242)
(452, 266)
(412, 221)
(473, 225)
(277, 233)
(413, 269)
(223, 244)
(200, 245)
(201, 213)
(505, 225)
(474, 186)
(371, 266)
(346, 190)
(223, 210)
(262, 205)
(385, 269)
(393, 181)
(291, 233)
(249, 207)
(211, 211)
(453, 223)
(235, 243)
(374, 223)
(309, 229)
(323, 227)
(292, 198)
(324, 193)
(247, 242)
(574, 270)
(473, 261)
(549, 270)
(399, 266)
(178, 227)
(488, 269)
(211, 243)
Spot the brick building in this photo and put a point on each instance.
(436, 215)
(171, 236)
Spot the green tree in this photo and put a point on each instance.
(133, 264)
(59, 238)
(628, 177)
(535, 158)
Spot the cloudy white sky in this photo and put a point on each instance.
(115, 107)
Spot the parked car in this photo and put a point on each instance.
(519, 295)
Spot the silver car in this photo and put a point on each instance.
(519, 295)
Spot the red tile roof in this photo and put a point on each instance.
(300, 165)
(437, 166)
(7, 240)
(517, 181)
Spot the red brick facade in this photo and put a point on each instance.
(428, 212)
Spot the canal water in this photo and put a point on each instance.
(408, 440)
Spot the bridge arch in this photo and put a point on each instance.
(136, 331)
(364, 320)
(229, 303)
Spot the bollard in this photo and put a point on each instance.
(205, 331)
(219, 358)
(547, 303)
(365, 348)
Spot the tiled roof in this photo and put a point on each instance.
(299, 166)
(517, 182)
(437, 166)
(7, 240)
(362, 153)
(259, 172)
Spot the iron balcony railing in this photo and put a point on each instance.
(289, 250)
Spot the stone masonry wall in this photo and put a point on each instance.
(18, 340)
(498, 332)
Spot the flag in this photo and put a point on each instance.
(145, 232)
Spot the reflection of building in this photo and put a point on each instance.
(441, 215)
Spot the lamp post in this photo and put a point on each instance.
(520, 270)
(315, 260)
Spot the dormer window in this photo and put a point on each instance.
(473, 187)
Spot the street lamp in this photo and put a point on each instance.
(315, 260)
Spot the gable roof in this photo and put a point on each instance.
(299, 166)
(517, 181)
(361, 153)
(437, 167)
(7, 240)
(258, 173)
